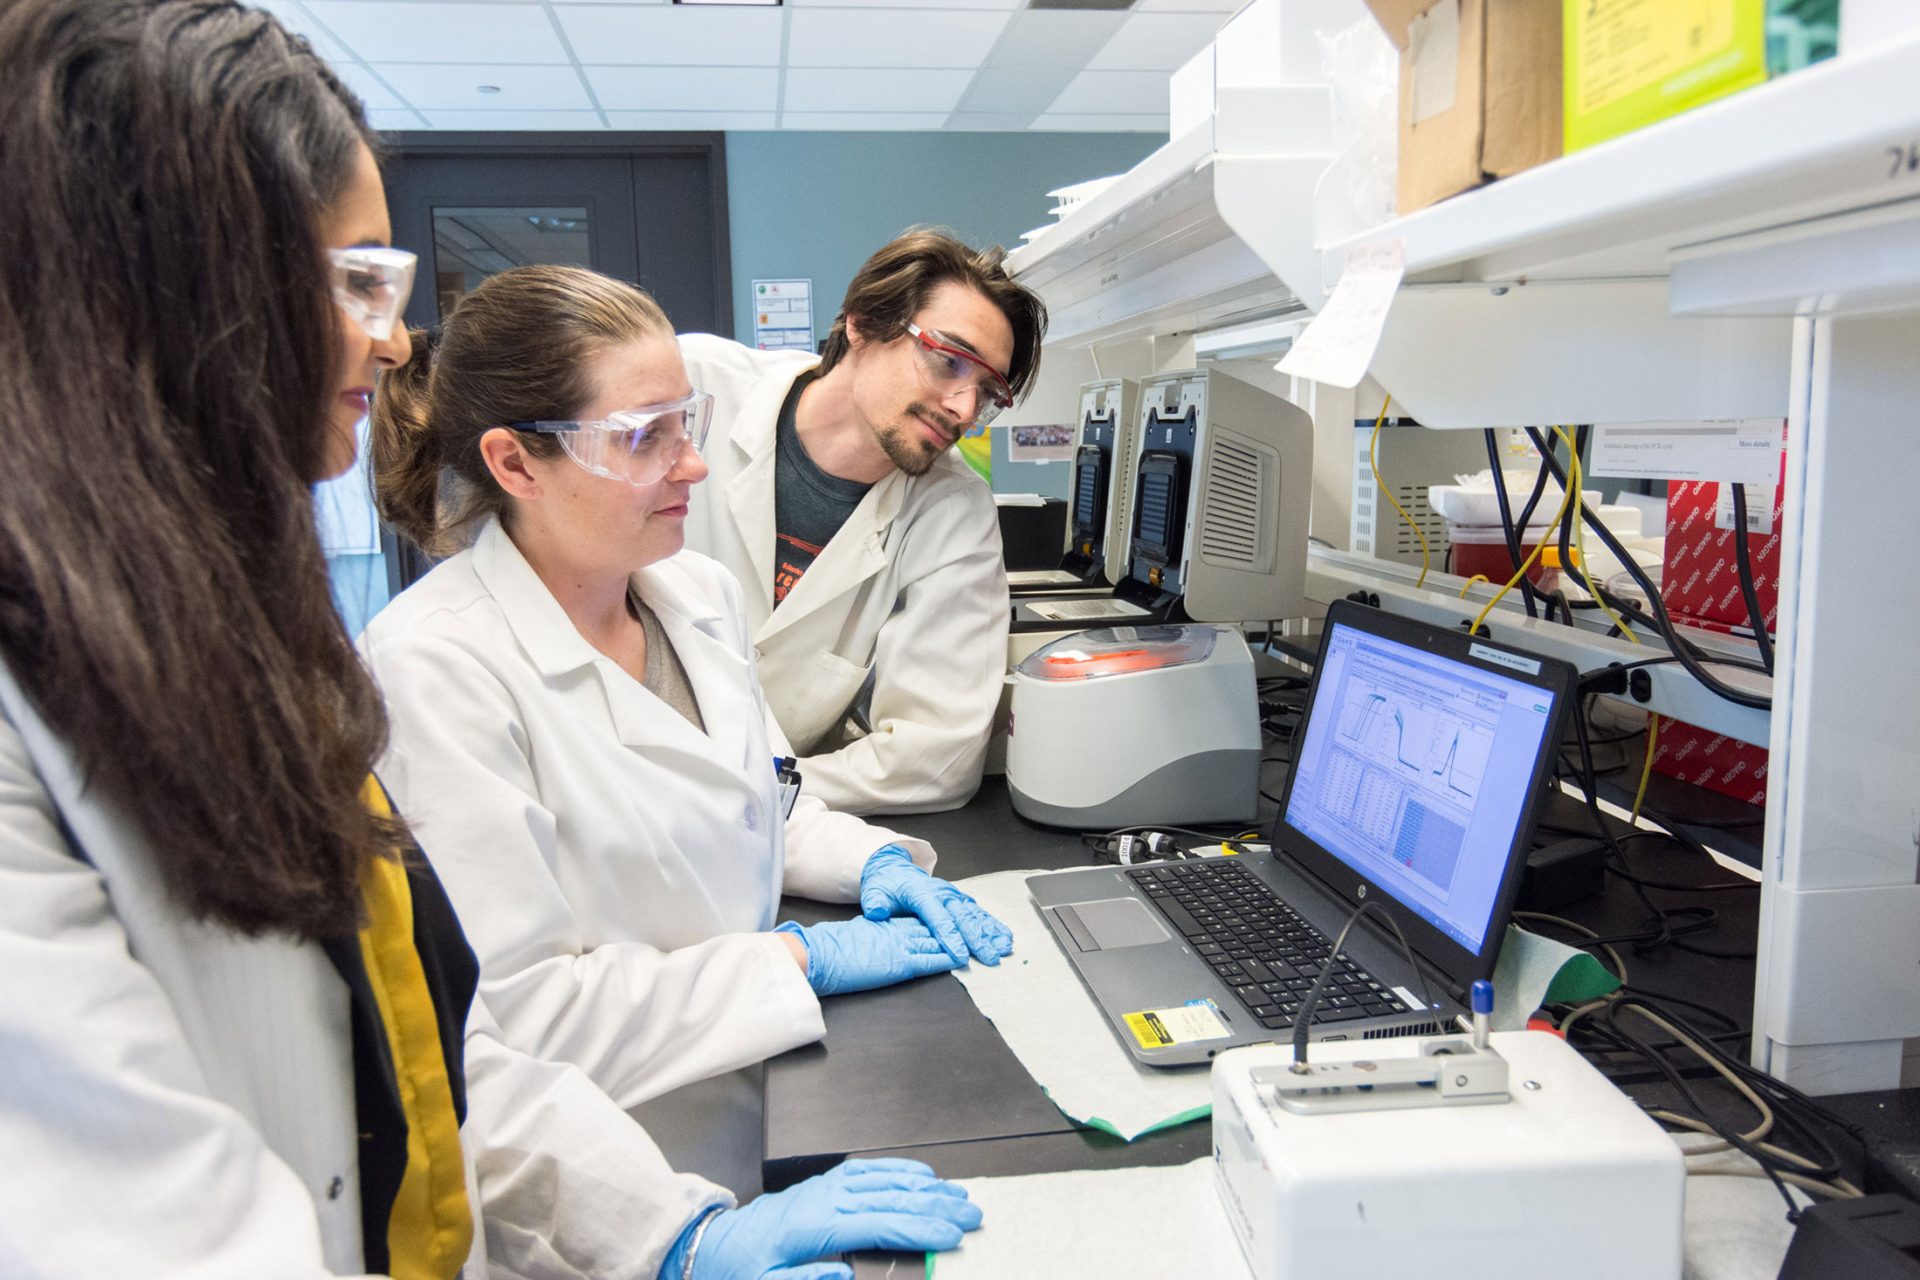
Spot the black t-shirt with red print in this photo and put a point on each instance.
(809, 506)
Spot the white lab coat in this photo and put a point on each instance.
(912, 592)
(177, 1100)
(614, 867)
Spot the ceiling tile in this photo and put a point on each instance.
(1124, 91)
(438, 87)
(1157, 41)
(875, 90)
(297, 21)
(388, 121)
(888, 38)
(1055, 39)
(685, 88)
(377, 31)
(863, 120)
(645, 2)
(1007, 90)
(1221, 7)
(693, 119)
(1068, 122)
(673, 35)
(376, 94)
(554, 120)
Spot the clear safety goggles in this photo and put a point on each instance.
(371, 283)
(638, 446)
(946, 368)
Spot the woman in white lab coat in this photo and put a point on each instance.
(578, 736)
(236, 1029)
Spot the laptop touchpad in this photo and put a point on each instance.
(1111, 923)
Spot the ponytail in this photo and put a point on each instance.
(407, 461)
(519, 348)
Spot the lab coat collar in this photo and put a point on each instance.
(752, 434)
(538, 622)
(856, 553)
(640, 719)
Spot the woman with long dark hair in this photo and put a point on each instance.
(237, 1028)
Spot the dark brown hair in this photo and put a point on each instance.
(516, 349)
(167, 353)
(892, 286)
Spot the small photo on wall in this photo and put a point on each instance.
(1042, 442)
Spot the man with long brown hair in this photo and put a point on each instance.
(869, 555)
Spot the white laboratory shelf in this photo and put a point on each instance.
(1656, 276)
(1190, 238)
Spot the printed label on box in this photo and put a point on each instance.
(1737, 451)
(1433, 39)
(1759, 508)
(1627, 45)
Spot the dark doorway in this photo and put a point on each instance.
(649, 208)
(646, 207)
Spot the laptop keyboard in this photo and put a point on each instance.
(1259, 945)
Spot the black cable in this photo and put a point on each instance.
(1662, 621)
(1303, 1018)
(1533, 500)
(1700, 655)
(1506, 518)
(1663, 933)
(1567, 519)
(1790, 1106)
(1743, 563)
(1661, 997)
(1725, 1133)
(1694, 948)
(1645, 883)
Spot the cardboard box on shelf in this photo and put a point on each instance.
(1630, 63)
(1480, 91)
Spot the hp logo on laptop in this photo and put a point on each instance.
(1363, 891)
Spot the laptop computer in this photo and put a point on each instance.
(1421, 760)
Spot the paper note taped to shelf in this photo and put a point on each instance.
(1732, 451)
(1339, 345)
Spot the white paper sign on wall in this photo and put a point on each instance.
(783, 315)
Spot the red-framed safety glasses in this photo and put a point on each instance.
(946, 368)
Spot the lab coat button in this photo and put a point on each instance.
(335, 1187)
(751, 816)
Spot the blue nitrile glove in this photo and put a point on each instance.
(863, 1204)
(859, 954)
(890, 883)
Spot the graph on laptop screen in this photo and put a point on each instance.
(1413, 770)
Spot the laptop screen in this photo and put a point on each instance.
(1414, 770)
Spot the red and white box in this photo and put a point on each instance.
(1712, 760)
(1700, 583)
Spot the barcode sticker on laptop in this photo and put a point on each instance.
(1184, 1024)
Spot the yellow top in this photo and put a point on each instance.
(430, 1228)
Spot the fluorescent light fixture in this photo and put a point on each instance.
(756, 4)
